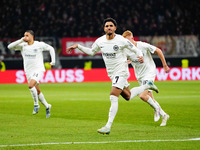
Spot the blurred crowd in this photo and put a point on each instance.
(84, 18)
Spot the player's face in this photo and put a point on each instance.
(109, 28)
(28, 37)
(130, 37)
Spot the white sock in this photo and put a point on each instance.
(152, 103)
(113, 110)
(137, 90)
(43, 100)
(34, 95)
(162, 113)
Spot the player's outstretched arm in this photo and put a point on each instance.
(162, 58)
(86, 50)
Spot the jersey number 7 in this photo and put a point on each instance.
(117, 78)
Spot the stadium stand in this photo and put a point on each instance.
(73, 18)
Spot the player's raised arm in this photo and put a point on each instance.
(15, 45)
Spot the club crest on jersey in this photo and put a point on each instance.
(35, 50)
(115, 47)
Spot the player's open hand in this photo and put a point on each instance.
(69, 49)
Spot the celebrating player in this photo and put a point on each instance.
(33, 65)
(146, 71)
(112, 47)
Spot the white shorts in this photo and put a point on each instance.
(120, 82)
(35, 75)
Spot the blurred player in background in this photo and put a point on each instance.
(112, 47)
(146, 71)
(34, 66)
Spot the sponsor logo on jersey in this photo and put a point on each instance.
(115, 47)
(30, 56)
(135, 61)
(109, 55)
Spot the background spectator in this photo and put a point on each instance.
(83, 18)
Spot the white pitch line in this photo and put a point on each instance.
(103, 142)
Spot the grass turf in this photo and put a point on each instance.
(79, 109)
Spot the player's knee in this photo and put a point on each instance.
(127, 97)
(142, 96)
(30, 86)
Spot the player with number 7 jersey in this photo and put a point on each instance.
(112, 47)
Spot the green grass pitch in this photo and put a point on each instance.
(79, 109)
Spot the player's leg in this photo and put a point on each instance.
(31, 85)
(118, 84)
(145, 97)
(41, 97)
(128, 94)
(115, 92)
(138, 90)
(164, 115)
(43, 101)
(33, 79)
(148, 99)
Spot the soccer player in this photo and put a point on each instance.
(146, 71)
(34, 66)
(112, 47)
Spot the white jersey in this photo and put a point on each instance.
(32, 54)
(146, 70)
(113, 54)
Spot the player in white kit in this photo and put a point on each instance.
(146, 71)
(34, 66)
(112, 47)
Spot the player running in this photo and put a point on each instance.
(112, 47)
(146, 72)
(33, 65)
